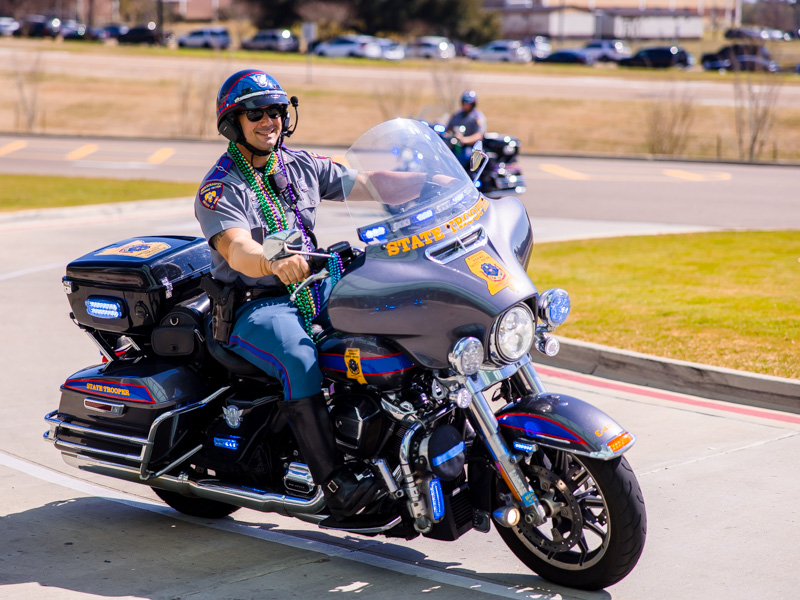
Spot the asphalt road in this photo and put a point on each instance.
(720, 481)
(722, 195)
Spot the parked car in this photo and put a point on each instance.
(745, 62)
(82, 32)
(277, 40)
(431, 46)
(38, 26)
(390, 49)
(361, 46)
(606, 50)
(114, 30)
(659, 58)
(8, 25)
(540, 47)
(736, 33)
(208, 37)
(568, 56)
(727, 53)
(141, 34)
(504, 51)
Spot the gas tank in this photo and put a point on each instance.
(365, 360)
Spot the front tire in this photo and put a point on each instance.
(196, 507)
(596, 526)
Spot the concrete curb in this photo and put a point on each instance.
(752, 389)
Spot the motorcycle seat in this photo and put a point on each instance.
(234, 363)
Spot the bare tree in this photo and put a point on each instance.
(197, 95)
(669, 122)
(449, 81)
(755, 97)
(400, 99)
(332, 18)
(28, 79)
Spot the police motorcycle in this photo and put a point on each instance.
(501, 175)
(427, 372)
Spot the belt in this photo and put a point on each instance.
(251, 294)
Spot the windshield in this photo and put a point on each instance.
(408, 181)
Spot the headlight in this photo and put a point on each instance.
(553, 307)
(512, 334)
(466, 357)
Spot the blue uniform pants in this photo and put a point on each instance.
(269, 333)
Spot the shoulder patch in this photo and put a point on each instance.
(210, 194)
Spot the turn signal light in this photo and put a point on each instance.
(619, 442)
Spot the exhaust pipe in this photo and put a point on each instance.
(305, 509)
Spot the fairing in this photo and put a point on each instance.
(438, 267)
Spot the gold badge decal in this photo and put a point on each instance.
(352, 360)
(137, 248)
(491, 271)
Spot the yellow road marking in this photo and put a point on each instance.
(12, 147)
(563, 172)
(82, 152)
(689, 176)
(160, 155)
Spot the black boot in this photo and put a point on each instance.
(345, 492)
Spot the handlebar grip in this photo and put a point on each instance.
(317, 263)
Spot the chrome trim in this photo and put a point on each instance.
(484, 418)
(368, 530)
(417, 506)
(299, 474)
(146, 444)
(391, 484)
(453, 248)
(110, 357)
(305, 509)
(114, 409)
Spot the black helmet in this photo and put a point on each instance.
(247, 90)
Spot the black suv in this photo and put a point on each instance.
(659, 58)
(729, 53)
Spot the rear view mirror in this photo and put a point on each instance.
(282, 244)
(478, 159)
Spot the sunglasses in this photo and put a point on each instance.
(273, 111)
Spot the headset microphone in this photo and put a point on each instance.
(294, 102)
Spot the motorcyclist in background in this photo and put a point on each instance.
(467, 125)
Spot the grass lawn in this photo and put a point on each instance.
(725, 299)
(18, 192)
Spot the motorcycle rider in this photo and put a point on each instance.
(256, 188)
(467, 125)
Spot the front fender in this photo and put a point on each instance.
(563, 423)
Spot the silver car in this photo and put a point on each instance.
(504, 51)
(431, 46)
(361, 46)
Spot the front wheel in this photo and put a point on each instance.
(196, 507)
(596, 525)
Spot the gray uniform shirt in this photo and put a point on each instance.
(225, 200)
(473, 122)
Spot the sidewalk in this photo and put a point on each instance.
(741, 387)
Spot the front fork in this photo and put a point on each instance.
(483, 416)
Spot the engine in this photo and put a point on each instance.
(421, 440)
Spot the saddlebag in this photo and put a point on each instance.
(129, 412)
(129, 286)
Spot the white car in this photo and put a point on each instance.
(210, 37)
(504, 51)
(361, 46)
(8, 25)
(606, 50)
(431, 46)
(391, 50)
